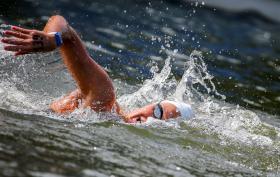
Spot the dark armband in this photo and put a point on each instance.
(58, 38)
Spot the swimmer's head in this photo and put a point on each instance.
(182, 109)
(163, 110)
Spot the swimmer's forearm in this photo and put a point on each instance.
(59, 24)
(93, 81)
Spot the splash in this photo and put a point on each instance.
(196, 75)
(153, 90)
(212, 114)
(160, 87)
(20, 92)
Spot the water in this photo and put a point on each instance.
(153, 51)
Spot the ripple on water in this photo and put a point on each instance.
(223, 139)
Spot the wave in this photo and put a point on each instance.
(28, 84)
(268, 9)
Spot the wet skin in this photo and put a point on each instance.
(95, 88)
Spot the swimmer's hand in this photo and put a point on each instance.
(169, 111)
(24, 41)
(140, 115)
(133, 120)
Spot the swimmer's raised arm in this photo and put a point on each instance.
(95, 89)
(93, 82)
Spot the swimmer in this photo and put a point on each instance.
(94, 86)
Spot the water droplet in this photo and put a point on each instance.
(178, 168)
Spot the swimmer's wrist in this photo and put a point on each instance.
(57, 37)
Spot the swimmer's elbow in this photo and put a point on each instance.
(63, 108)
(53, 107)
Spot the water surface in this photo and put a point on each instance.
(226, 65)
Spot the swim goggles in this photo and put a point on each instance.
(158, 111)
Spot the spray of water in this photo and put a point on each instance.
(212, 115)
(196, 75)
(195, 87)
(152, 90)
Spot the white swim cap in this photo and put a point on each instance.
(184, 109)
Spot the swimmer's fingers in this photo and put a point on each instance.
(140, 119)
(31, 47)
(21, 30)
(21, 53)
(16, 34)
(16, 41)
(131, 120)
(19, 48)
(143, 119)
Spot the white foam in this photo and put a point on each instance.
(214, 116)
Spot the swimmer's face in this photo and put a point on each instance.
(142, 114)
